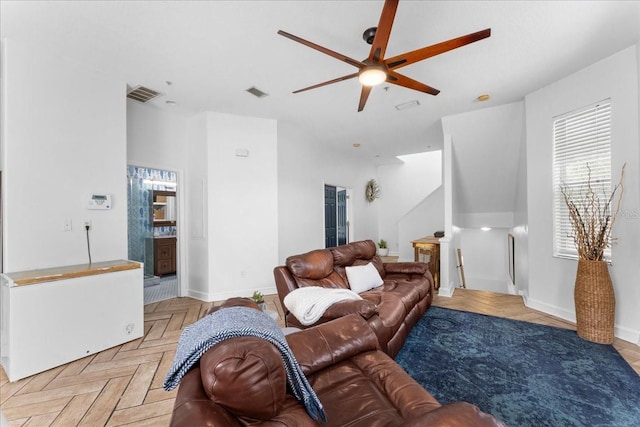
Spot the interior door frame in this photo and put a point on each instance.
(349, 207)
(181, 221)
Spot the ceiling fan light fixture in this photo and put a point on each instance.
(372, 75)
(378, 68)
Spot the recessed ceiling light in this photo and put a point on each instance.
(485, 228)
(168, 102)
(483, 97)
(356, 144)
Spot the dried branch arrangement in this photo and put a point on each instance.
(592, 218)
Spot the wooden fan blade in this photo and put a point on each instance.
(401, 80)
(324, 50)
(339, 79)
(436, 49)
(364, 95)
(380, 41)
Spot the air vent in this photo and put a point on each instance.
(407, 105)
(257, 92)
(142, 94)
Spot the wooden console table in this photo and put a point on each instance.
(429, 247)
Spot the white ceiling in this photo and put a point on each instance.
(212, 51)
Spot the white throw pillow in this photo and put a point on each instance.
(363, 277)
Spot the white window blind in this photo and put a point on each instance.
(580, 138)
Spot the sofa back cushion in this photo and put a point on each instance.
(343, 255)
(246, 375)
(356, 254)
(315, 268)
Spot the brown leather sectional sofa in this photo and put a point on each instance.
(241, 381)
(391, 309)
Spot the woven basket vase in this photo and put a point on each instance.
(595, 302)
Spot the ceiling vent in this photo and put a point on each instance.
(407, 105)
(257, 92)
(142, 94)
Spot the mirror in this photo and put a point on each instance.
(164, 208)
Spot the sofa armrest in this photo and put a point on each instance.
(457, 414)
(329, 343)
(192, 407)
(361, 307)
(406, 267)
(285, 282)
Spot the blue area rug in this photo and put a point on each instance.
(523, 373)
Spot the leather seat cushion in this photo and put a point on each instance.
(391, 307)
(363, 384)
(410, 293)
(246, 375)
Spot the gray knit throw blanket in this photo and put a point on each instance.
(234, 322)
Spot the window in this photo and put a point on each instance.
(580, 138)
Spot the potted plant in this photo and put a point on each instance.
(383, 250)
(592, 219)
(258, 298)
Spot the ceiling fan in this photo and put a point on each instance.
(376, 68)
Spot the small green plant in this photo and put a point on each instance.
(257, 297)
(382, 244)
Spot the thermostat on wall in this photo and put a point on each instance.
(99, 201)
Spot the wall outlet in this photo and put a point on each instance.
(87, 223)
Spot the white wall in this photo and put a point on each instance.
(304, 166)
(422, 221)
(485, 258)
(197, 208)
(243, 205)
(638, 75)
(486, 145)
(520, 229)
(155, 138)
(551, 280)
(403, 188)
(65, 137)
(449, 277)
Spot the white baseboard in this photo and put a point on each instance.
(202, 296)
(553, 310)
(626, 334)
(446, 291)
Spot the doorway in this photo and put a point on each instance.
(336, 216)
(152, 226)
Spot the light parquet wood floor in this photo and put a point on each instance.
(122, 386)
